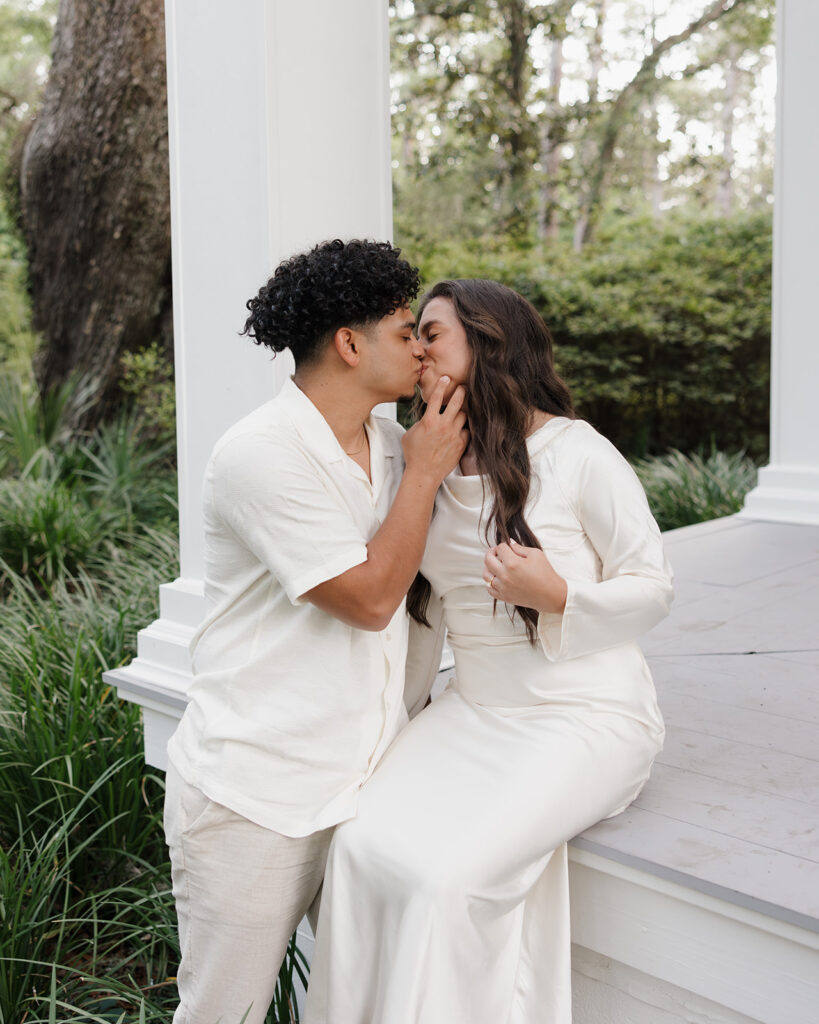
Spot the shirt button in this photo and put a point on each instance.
(387, 635)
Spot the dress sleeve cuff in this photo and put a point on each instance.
(554, 628)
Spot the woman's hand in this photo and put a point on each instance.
(524, 576)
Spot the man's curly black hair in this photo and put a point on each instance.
(336, 284)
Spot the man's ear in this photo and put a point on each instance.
(347, 344)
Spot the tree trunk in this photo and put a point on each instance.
(550, 150)
(516, 134)
(95, 193)
(587, 146)
(725, 189)
(652, 171)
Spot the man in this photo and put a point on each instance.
(313, 532)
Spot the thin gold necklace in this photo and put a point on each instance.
(358, 450)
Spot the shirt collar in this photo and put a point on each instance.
(317, 434)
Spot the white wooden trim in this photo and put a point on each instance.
(740, 959)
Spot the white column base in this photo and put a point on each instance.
(158, 678)
(785, 494)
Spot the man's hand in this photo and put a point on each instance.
(435, 444)
(524, 576)
(368, 595)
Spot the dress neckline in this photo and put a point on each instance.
(534, 442)
(468, 491)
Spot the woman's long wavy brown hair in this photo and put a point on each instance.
(512, 375)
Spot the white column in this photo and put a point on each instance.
(788, 488)
(279, 138)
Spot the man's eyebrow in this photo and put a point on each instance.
(408, 325)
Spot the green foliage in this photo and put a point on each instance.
(34, 427)
(685, 489)
(17, 340)
(36, 896)
(61, 724)
(45, 531)
(662, 332)
(128, 476)
(486, 139)
(148, 376)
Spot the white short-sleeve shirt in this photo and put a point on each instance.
(290, 709)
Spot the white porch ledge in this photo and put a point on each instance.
(703, 896)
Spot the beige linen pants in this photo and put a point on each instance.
(240, 892)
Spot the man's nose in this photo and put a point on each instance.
(419, 348)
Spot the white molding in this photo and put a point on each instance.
(158, 678)
(740, 959)
(785, 494)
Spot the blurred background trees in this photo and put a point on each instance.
(539, 120)
(612, 159)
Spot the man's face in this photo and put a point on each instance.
(392, 356)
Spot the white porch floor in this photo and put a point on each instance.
(732, 807)
(701, 901)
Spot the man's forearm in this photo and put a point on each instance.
(368, 595)
(394, 553)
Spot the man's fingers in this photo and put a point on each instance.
(436, 399)
(453, 406)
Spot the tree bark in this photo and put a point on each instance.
(95, 193)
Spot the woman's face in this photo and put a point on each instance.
(446, 350)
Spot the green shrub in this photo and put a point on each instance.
(17, 340)
(34, 428)
(46, 531)
(148, 376)
(36, 895)
(61, 725)
(662, 330)
(127, 476)
(685, 489)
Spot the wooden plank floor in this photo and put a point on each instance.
(732, 807)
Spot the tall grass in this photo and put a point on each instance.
(87, 534)
(33, 426)
(685, 489)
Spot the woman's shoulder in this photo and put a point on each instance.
(579, 455)
(562, 435)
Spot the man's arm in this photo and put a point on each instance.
(368, 595)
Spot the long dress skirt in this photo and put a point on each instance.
(446, 898)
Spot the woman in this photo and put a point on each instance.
(446, 899)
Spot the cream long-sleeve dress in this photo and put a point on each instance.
(446, 898)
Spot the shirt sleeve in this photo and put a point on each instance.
(635, 591)
(424, 649)
(288, 513)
